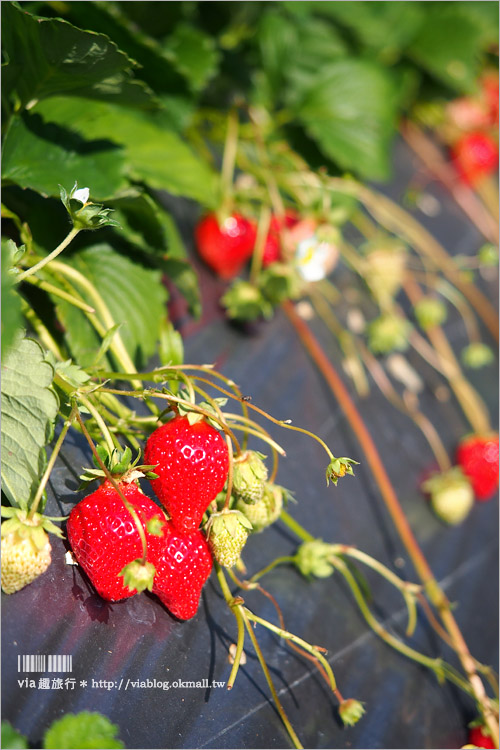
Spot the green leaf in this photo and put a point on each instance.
(29, 408)
(147, 225)
(84, 730)
(294, 49)
(11, 738)
(11, 301)
(385, 27)
(448, 45)
(50, 56)
(171, 350)
(133, 294)
(194, 54)
(42, 155)
(350, 110)
(154, 154)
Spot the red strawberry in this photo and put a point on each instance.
(475, 156)
(192, 462)
(105, 539)
(181, 570)
(227, 247)
(478, 457)
(272, 250)
(478, 738)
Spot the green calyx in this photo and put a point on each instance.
(138, 575)
(477, 355)
(279, 282)
(85, 214)
(249, 477)
(119, 465)
(34, 528)
(388, 333)
(244, 301)
(429, 312)
(338, 468)
(313, 559)
(227, 533)
(351, 711)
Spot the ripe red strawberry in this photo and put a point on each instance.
(475, 155)
(181, 570)
(227, 247)
(478, 738)
(191, 462)
(478, 457)
(104, 537)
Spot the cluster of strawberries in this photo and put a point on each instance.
(226, 246)
(475, 477)
(474, 126)
(190, 459)
(191, 465)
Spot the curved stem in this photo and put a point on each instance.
(52, 289)
(111, 443)
(267, 674)
(50, 464)
(299, 641)
(271, 566)
(62, 246)
(117, 346)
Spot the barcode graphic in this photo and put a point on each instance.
(45, 663)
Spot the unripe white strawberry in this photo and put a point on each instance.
(26, 550)
(249, 476)
(267, 510)
(451, 494)
(227, 533)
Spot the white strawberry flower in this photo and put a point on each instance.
(81, 195)
(312, 258)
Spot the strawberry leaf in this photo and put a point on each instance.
(11, 301)
(29, 408)
(84, 730)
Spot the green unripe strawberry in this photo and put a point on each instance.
(267, 510)
(227, 533)
(313, 558)
(249, 476)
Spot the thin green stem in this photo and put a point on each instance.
(284, 718)
(260, 242)
(42, 331)
(50, 464)
(57, 292)
(62, 246)
(109, 438)
(278, 561)
(299, 641)
(296, 527)
(239, 648)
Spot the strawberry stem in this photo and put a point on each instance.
(228, 162)
(50, 464)
(260, 242)
(48, 258)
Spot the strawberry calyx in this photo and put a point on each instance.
(138, 575)
(338, 468)
(351, 711)
(23, 526)
(119, 465)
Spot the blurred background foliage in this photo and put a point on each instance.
(114, 95)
